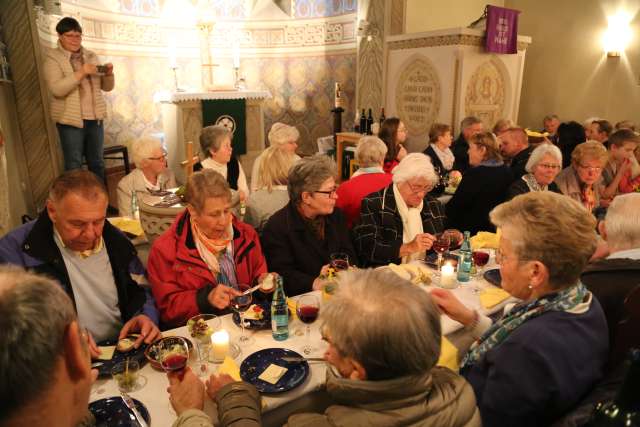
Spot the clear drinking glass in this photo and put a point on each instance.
(240, 305)
(339, 261)
(201, 328)
(441, 245)
(307, 309)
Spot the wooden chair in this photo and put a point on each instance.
(156, 220)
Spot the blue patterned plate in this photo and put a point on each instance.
(493, 277)
(112, 412)
(253, 366)
(137, 354)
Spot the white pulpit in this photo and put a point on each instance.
(445, 75)
(182, 122)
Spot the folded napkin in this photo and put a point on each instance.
(292, 308)
(127, 225)
(485, 239)
(448, 355)
(230, 367)
(491, 297)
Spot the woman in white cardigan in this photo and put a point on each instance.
(282, 137)
(151, 173)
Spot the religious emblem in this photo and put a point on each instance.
(418, 95)
(485, 95)
(227, 121)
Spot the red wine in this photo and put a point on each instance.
(440, 248)
(480, 258)
(308, 313)
(174, 362)
(340, 264)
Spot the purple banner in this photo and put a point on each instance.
(502, 29)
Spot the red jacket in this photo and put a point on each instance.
(180, 279)
(351, 193)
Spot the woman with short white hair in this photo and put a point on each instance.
(369, 178)
(399, 222)
(282, 137)
(151, 173)
(543, 166)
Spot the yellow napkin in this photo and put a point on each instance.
(106, 352)
(292, 308)
(485, 239)
(128, 225)
(491, 297)
(230, 367)
(448, 355)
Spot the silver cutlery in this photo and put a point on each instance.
(253, 289)
(132, 407)
(296, 359)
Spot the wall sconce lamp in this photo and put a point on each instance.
(366, 29)
(618, 34)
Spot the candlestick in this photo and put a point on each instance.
(220, 344)
(447, 276)
(236, 56)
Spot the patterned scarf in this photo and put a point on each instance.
(210, 249)
(533, 185)
(575, 299)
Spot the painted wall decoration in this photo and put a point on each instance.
(485, 95)
(418, 95)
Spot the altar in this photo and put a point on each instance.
(182, 122)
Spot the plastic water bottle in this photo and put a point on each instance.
(465, 260)
(279, 313)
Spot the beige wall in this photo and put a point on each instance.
(566, 71)
(428, 15)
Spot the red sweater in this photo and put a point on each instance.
(351, 193)
(180, 279)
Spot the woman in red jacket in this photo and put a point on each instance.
(197, 265)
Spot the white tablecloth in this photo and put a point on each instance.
(155, 397)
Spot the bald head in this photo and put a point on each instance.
(622, 223)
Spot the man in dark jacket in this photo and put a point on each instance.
(469, 126)
(514, 146)
(94, 262)
(612, 278)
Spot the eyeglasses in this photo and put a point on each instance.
(591, 168)
(72, 36)
(329, 193)
(549, 166)
(162, 157)
(417, 189)
(501, 257)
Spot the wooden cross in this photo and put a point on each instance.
(191, 160)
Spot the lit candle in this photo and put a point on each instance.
(236, 55)
(220, 344)
(447, 276)
(172, 53)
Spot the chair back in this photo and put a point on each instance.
(156, 220)
(627, 331)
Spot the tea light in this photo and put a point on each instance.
(220, 344)
(447, 276)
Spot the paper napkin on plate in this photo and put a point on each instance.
(128, 225)
(484, 239)
(230, 367)
(292, 308)
(491, 297)
(448, 355)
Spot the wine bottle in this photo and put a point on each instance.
(382, 116)
(624, 410)
(363, 122)
(465, 259)
(369, 122)
(279, 313)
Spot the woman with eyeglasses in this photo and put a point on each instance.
(582, 181)
(394, 134)
(483, 186)
(398, 223)
(299, 239)
(547, 351)
(543, 166)
(151, 173)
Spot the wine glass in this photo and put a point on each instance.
(339, 261)
(173, 353)
(240, 305)
(201, 328)
(441, 245)
(480, 259)
(307, 309)
(453, 237)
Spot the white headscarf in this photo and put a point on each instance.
(411, 223)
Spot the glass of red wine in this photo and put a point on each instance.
(480, 259)
(441, 245)
(339, 261)
(240, 305)
(174, 354)
(307, 309)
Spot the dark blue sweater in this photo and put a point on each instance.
(542, 369)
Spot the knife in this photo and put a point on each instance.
(296, 359)
(250, 290)
(132, 407)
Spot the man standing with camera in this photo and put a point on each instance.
(76, 81)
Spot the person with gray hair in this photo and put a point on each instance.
(469, 127)
(369, 178)
(544, 164)
(299, 239)
(44, 357)
(151, 173)
(382, 365)
(399, 222)
(612, 277)
(215, 145)
(281, 137)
